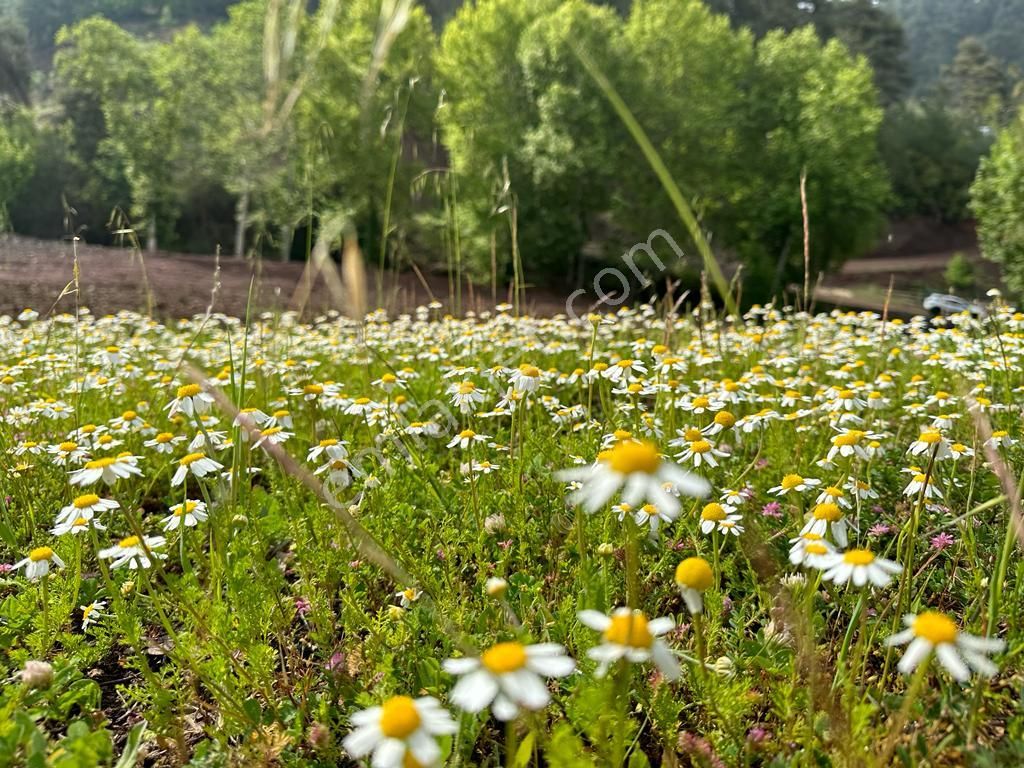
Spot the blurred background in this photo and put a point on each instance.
(467, 147)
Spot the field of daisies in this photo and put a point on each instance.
(626, 540)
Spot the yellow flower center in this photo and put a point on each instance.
(68, 446)
(701, 402)
(85, 501)
(713, 511)
(858, 557)
(789, 482)
(313, 389)
(629, 456)
(724, 419)
(935, 627)
(399, 718)
(504, 657)
(692, 434)
(531, 371)
(467, 387)
(629, 629)
(467, 434)
(695, 573)
(816, 549)
(191, 458)
(79, 521)
(624, 363)
(931, 437)
(827, 511)
(164, 437)
(189, 390)
(106, 461)
(848, 438)
(129, 415)
(700, 446)
(129, 542)
(40, 553)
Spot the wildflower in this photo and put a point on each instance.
(772, 509)
(496, 587)
(466, 396)
(930, 442)
(1000, 439)
(508, 676)
(694, 577)
(134, 552)
(526, 378)
(408, 596)
(959, 652)
(92, 612)
(794, 483)
(467, 437)
(85, 506)
(189, 513)
(36, 674)
(859, 566)
(37, 564)
(76, 525)
(922, 483)
(109, 469)
(809, 549)
(331, 447)
(941, 541)
(828, 517)
(198, 464)
(272, 435)
(190, 400)
(164, 442)
(627, 634)
(719, 516)
(399, 728)
(639, 470)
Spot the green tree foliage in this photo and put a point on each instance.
(813, 109)
(976, 85)
(997, 199)
(959, 273)
(17, 158)
(366, 115)
(935, 29)
(15, 67)
(932, 157)
(693, 72)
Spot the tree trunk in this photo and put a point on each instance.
(286, 243)
(241, 223)
(151, 234)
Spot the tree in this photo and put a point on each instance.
(867, 29)
(15, 67)
(17, 158)
(812, 109)
(689, 88)
(932, 157)
(977, 85)
(144, 111)
(997, 199)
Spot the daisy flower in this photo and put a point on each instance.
(109, 469)
(190, 514)
(525, 378)
(164, 442)
(809, 549)
(190, 400)
(400, 732)
(86, 506)
(922, 482)
(92, 612)
(694, 577)
(134, 552)
(38, 562)
(508, 676)
(639, 471)
(828, 517)
(930, 441)
(650, 515)
(77, 525)
(467, 437)
(719, 516)
(959, 652)
(466, 396)
(408, 596)
(272, 435)
(794, 483)
(627, 634)
(199, 464)
(331, 447)
(859, 566)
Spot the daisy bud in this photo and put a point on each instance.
(127, 588)
(606, 549)
(497, 588)
(240, 520)
(396, 611)
(694, 577)
(37, 674)
(723, 666)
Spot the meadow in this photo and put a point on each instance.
(637, 538)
